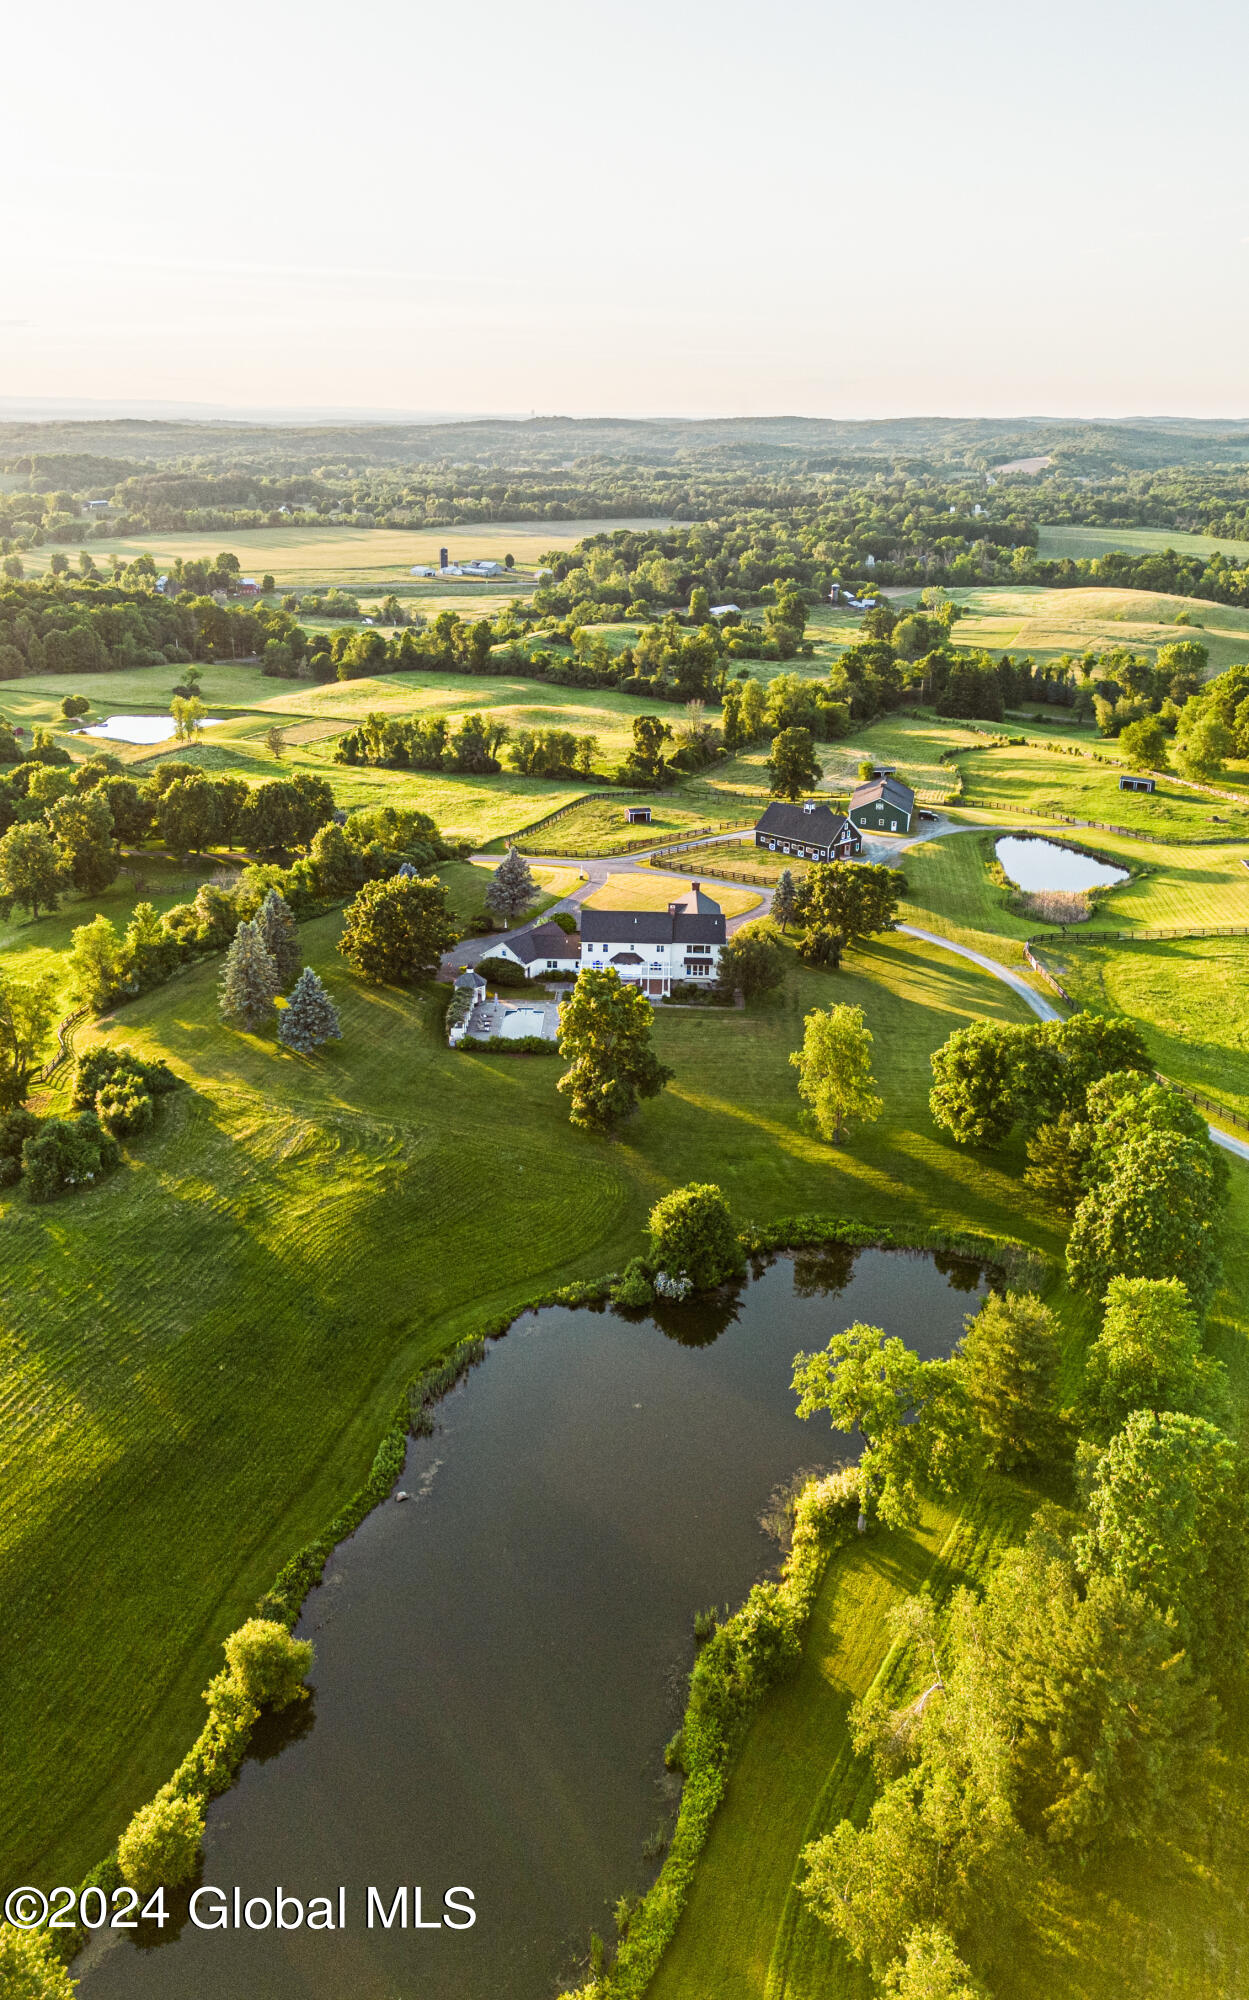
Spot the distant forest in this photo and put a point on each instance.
(890, 503)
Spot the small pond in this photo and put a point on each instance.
(1035, 865)
(140, 728)
(501, 1660)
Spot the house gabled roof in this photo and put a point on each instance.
(821, 828)
(544, 941)
(890, 790)
(639, 927)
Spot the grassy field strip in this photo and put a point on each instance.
(1046, 622)
(302, 556)
(1055, 542)
(743, 1926)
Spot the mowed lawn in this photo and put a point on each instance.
(1190, 996)
(653, 890)
(201, 1353)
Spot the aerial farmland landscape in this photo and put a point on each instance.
(624, 1012)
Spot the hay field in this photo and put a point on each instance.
(357, 559)
(1046, 623)
(1056, 542)
(654, 891)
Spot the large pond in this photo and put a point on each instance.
(501, 1660)
(1035, 864)
(139, 728)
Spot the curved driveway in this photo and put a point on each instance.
(599, 867)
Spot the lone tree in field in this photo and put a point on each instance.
(396, 931)
(692, 1236)
(1009, 1358)
(912, 1416)
(275, 741)
(785, 900)
(605, 1037)
(792, 768)
(249, 983)
(511, 888)
(277, 929)
(311, 1019)
(834, 1068)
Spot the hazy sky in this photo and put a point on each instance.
(671, 207)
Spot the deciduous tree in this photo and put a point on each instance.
(792, 767)
(30, 871)
(162, 1842)
(1169, 1516)
(834, 1068)
(396, 931)
(752, 961)
(605, 1037)
(27, 1010)
(692, 1236)
(1148, 1356)
(1009, 1357)
(912, 1415)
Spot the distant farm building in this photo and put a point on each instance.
(885, 805)
(422, 569)
(1136, 784)
(811, 831)
(726, 610)
(638, 815)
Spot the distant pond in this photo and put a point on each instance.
(1035, 865)
(140, 728)
(501, 1660)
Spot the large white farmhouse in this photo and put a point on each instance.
(654, 949)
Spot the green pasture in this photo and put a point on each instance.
(1189, 995)
(1045, 623)
(174, 1442)
(599, 825)
(1027, 780)
(1057, 542)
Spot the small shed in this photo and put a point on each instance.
(638, 815)
(1136, 784)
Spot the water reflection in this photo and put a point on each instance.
(501, 1659)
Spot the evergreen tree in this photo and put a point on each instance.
(785, 900)
(511, 888)
(311, 1017)
(249, 983)
(276, 926)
